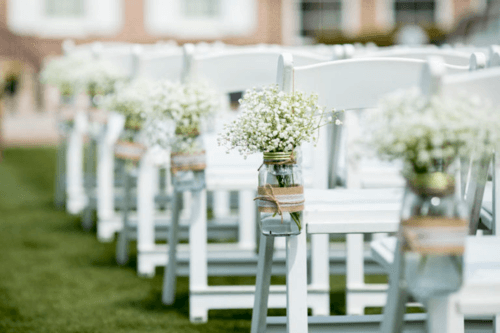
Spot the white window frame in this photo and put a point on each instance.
(166, 18)
(101, 17)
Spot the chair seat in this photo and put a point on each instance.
(352, 211)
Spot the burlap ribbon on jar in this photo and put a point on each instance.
(188, 161)
(98, 115)
(434, 235)
(129, 150)
(274, 199)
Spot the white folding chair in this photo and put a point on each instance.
(232, 71)
(371, 173)
(102, 195)
(341, 85)
(483, 84)
(76, 199)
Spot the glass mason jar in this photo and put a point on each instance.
(280, 196)
(188, 162)
(67, 99)
(434, 224)
(66, 113)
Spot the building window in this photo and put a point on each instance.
(418, 12)
(201, 8)
(319, 16)
(65, 8)
(200, 19)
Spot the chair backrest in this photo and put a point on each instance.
(240, 69)
(161, 65)
(484, 84)
(450, 56)
(121, 56)
(348, 85)
(236, 70)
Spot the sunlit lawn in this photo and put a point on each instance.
(55, 277)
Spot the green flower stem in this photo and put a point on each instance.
(284, 181)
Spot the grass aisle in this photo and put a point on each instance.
(54, 277)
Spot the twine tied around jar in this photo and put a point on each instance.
(434, 235)
(187, 161)
(129, 150)
(280, 199)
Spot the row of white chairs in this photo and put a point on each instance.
(216, 70)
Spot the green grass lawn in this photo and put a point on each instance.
(55, 277)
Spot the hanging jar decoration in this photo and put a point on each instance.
(280, 196)
(277, 123)
(66, 113)
(188, 160)
(434, 225)
(129, 146)
(429, 134)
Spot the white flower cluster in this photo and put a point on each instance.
(62, 73)
(131, 100)
(73, 74)
(428, 134)
(99, 77)
(177, 110)
(274, 121)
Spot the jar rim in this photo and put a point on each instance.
(437, 184)
(279, 157)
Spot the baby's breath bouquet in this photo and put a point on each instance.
(177, 111)
(131, 100)
(277, 123)
(98, 78)
(428, 134)
(274, 121)
(62, 73)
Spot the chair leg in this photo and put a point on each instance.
(262, 284)
(145, 213)
(60, 187)
(123, 237)
(443, 316)
(496, 195)
(221, 203)
(87, 221)
(246, 229)
(397, 295)
(320, 271)
(198, 275)
(170, 276)
(296, 283)
(355, 271)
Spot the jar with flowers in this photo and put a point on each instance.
(175, 121)
(276, 123)
(430, 135)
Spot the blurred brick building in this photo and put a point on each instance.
(31, 30)
(47, 22)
